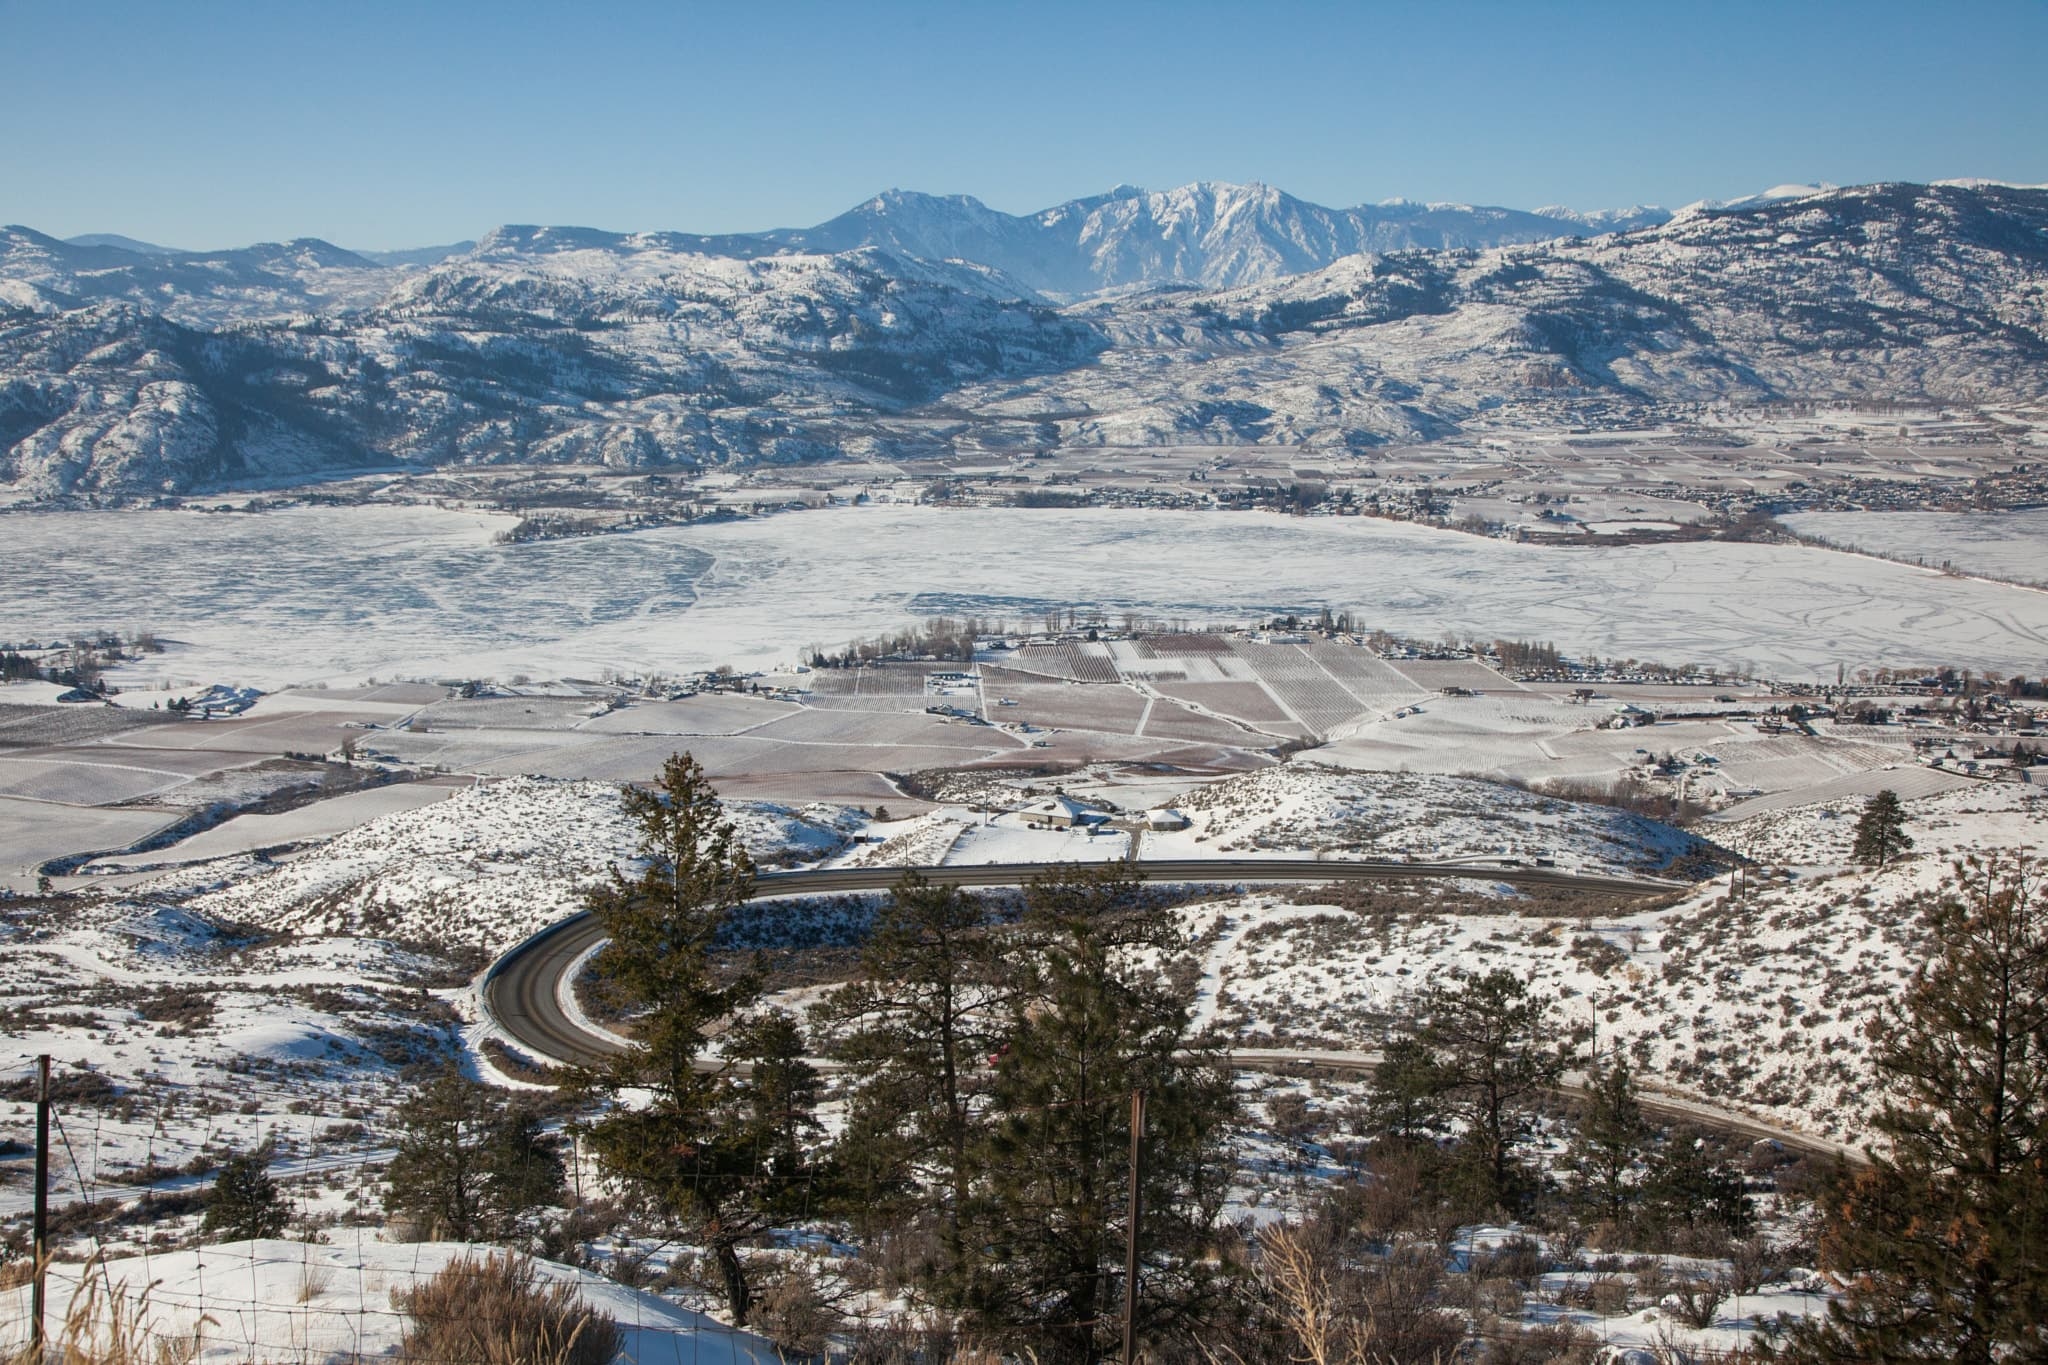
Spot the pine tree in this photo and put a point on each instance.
(245, 1203)
(725, 1153)
(777, 1107)
(1942, 1239)
(1095, 1018)
(1608, 1146)
(1407, 1101)
(659, 926)
(1479, 1052)
(1685, 1187)
(472, 1162)
(918, 1027)
(1881, 831)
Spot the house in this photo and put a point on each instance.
(1061, 812)
(1165, 818)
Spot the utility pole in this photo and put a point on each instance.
(37, 1295)
(1137, 1215)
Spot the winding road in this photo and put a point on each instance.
(523, 992)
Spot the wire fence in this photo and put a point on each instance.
(122, 1225)
(126, 1192)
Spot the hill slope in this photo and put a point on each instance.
(565, 344)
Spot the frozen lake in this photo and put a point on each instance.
(2008, 545)
(343, 594)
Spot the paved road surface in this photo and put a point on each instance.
(522, 991)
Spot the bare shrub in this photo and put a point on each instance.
(1338, 1314)
(1400, 1197)
(792, 1313)
(1520, 1259)
(1652, 1280)
(1752, 1264)
(899, 1341)
(182, 1008)
(1695, 1301)
(497, 1311)
(1555, 1343)
(1499, 1296)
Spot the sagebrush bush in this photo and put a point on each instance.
(498, 1311)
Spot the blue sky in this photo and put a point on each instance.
(207, 124)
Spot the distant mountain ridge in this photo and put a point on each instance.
(202, 288)
(115, 239)
(1207, 234)
(124, 376)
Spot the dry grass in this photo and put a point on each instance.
(105, 1325)
(497, 1311)
(314, 1281)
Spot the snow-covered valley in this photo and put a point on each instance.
(338, 595)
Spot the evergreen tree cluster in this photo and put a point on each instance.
(992, 1068)
(990, 1065)
(473, 1162)
(1456, 1100)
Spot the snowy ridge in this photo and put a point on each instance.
(1289, 326)
(1208, 233)
(1299, 808)
(487, 867)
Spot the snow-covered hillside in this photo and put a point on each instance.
(1760, 1003)
(484, 868)
(1300, 808)
(199, 288)
(560, 344)
(497, 862)
(534, 346)
(1928, 293)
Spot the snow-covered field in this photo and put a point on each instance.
(342, 594)
(319, 820)
(32, 832)
(2008, 545)
(1537, 738)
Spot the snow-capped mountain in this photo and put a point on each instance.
(1209, 234)
(621, 352)
(641, 349)
(201, 288)
(1886, 291)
